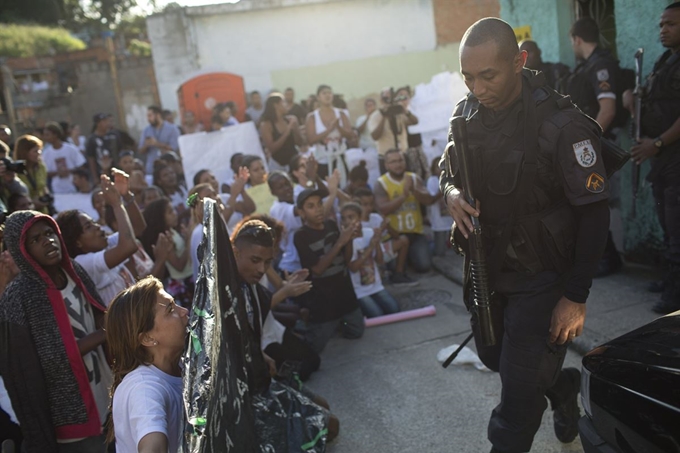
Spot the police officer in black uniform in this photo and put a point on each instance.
(553, 72)
(538, 171)
(595, 87)
(660, 123)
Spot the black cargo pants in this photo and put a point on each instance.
(528, 363)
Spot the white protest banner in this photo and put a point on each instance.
(213, 150)
(80, 201)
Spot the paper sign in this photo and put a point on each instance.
(522, 33)
(213, 150)
(262, 198)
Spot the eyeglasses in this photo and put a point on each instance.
(256, 231)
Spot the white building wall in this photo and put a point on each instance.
(253, 43)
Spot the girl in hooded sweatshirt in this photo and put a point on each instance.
(51, 356)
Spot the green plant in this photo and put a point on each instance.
(35, 41)
(139, 48)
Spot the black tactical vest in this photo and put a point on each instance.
(661, 99)
(543, 213)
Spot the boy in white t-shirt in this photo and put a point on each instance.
(394, 245)
(60, 158)
(366, 256)
(440, 219)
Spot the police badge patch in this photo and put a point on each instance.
(595, 183)
(602, 75)
(585, 153)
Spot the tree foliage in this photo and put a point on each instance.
(35, 40)
(139, 48)
(75, 15)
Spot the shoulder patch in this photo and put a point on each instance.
(605, 86)
(585, 153)
(595, 183)
(602, 75)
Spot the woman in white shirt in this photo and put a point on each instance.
(104, 257)
(145, 332)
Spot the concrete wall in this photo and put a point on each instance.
(94, 93)
(357, 78)
(262, 44)
(637, 25)
(175, 55)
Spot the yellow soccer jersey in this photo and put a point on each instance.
(406, 219)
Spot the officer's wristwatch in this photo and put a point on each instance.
(309, 184)
(658, 143)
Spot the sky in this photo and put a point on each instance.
(144, 4)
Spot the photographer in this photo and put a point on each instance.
(388, 124)
(9, 183)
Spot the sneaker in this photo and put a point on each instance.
(403, 280)
(566, 414)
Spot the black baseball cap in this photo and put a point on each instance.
(99, 117)
(306, 194)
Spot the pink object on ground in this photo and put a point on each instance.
(401, 316)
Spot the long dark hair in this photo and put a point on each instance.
(71, 229)
(269, 113)
(154, 214)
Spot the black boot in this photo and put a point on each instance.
(564, 401)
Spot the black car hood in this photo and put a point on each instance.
(655, 344)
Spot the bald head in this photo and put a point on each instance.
(491, 63)
(495, 30)
(534, 59)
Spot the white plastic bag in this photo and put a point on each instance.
(466, 357)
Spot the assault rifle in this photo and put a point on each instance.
(636, 124)
(481, 290)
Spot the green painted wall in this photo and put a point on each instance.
(358, 78)
(549, 20)
(637, 26)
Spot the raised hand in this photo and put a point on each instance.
(121, 180)
(333, 181)
(348, 233)
(111, 194)
(311, 168)
(240, 181)
(164, 245)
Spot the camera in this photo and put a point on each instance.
(48, 199)
(393, 103)
(18, 166)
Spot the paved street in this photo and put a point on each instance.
(392, 395)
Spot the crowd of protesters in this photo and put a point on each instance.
(91, 223)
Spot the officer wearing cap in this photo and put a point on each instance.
(539, 176)
(660, 129)
(595, 87)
